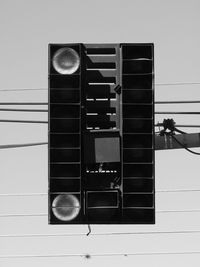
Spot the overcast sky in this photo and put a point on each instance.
(26, 28)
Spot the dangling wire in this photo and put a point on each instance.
(183, 146)
(89, 229)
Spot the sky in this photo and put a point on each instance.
(26, 28)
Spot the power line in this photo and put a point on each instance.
(156, 112)
(178, 211)
(45, 214)
(24, 215)
(178, 191)
(22, 145)
(23, 89)
(24, 121)
(24, 110)
(46, 103)
(179, 125)
(24, 195)
(101, 255)
(177, 83)
(178, 102)
(23, 103)
(157, 84)
(156, 125)
(45, 194)
(104, 234)
(178, 112)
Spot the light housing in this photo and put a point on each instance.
(101, 134)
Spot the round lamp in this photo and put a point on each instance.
(66, 61)
(66, 207)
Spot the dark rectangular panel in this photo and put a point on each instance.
(137, 96)
(137, 66)
(64, 185)
(137, 140)
(100, 50)
(138, 200)
(64, 81)
(137, 81)
(64, 96)
(137, 125)
(142, 51)
(64, 140)
(137, 155)
(138, 170)
(64, 111)
(138, 185)
(99, 63)
(64, 170)
(64, 125)
(100, 91)
(137, 111)
(64, 155)
(97, 199)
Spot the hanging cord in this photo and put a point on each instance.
(179, 131)
(183, 146)
(89, 229)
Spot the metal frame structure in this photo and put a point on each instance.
(101, 135)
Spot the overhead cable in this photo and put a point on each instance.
(45, 214)
(22, 145)
(101, 255)
(103, 234)
(24, 121)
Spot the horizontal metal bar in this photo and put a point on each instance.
(167, 142)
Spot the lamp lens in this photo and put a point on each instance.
(66, 207)
(66, 61)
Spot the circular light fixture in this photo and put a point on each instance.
(66, 207)
(66, 61)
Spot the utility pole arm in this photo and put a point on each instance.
(168, 142)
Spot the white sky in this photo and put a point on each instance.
(26, 28)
